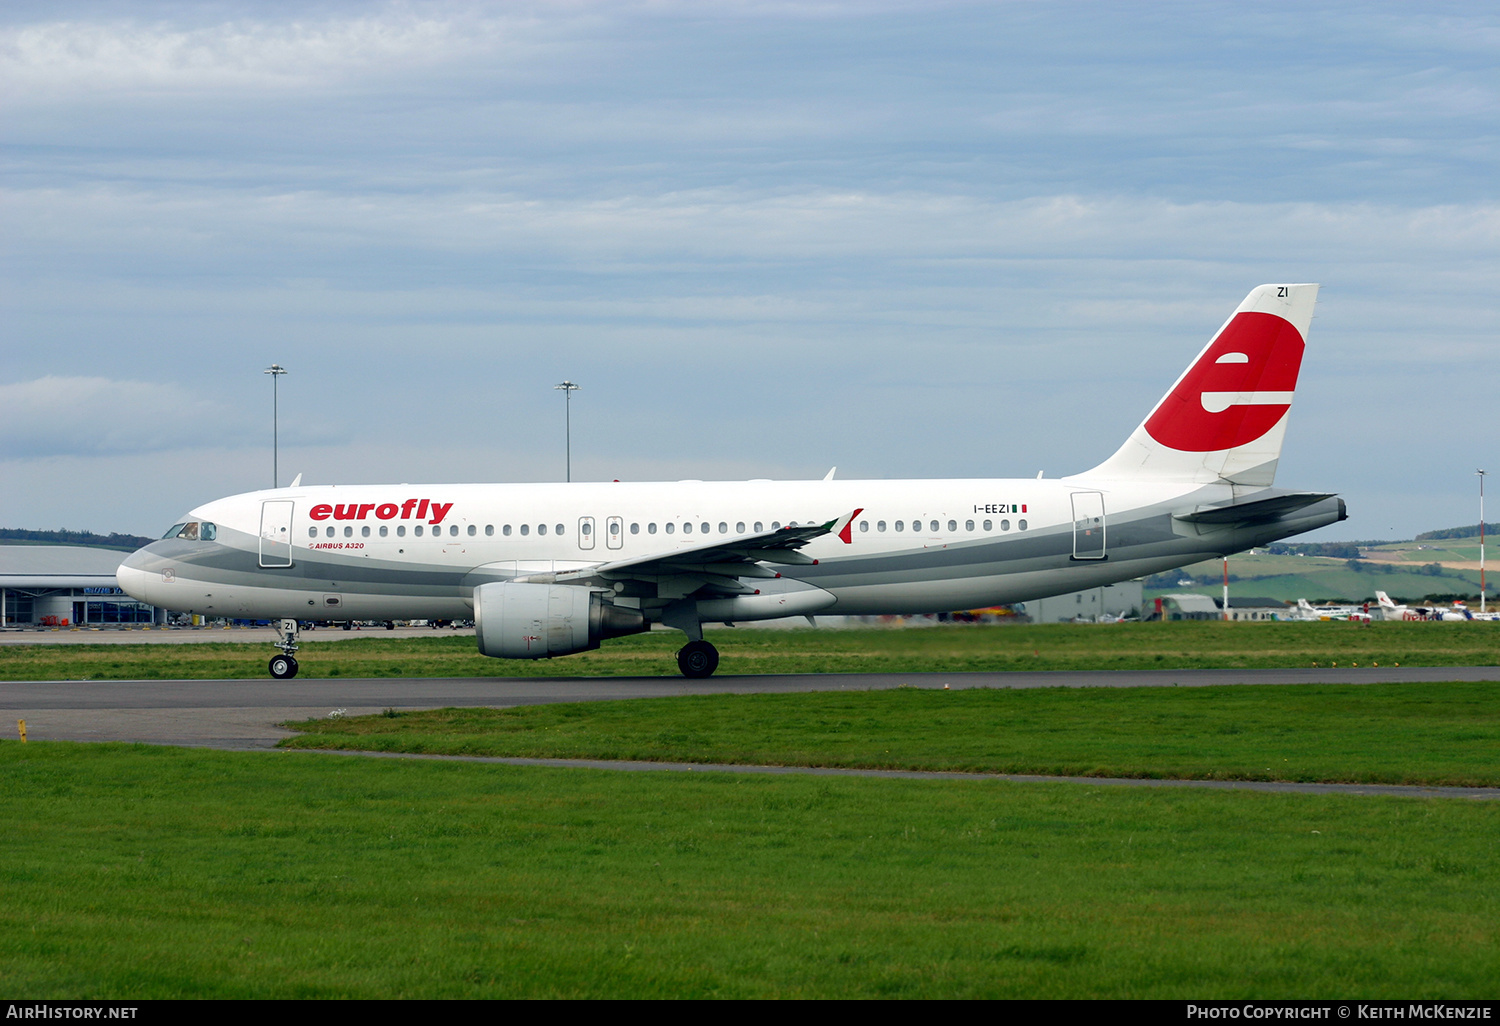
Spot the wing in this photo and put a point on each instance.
(710, 568)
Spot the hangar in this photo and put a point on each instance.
(66, 585)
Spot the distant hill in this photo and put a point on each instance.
(1456, 532)
(123, 542)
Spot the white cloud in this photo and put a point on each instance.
(94, 415)
(53, 60)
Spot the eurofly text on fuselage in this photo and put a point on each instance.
(552, 569)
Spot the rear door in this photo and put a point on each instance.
(1088, 525)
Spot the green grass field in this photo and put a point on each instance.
(1376, 733)
(133, 872)
(1140, 646)
(1288, 578)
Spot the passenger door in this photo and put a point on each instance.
(276, 532)
(1088, 525)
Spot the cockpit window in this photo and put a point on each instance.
(207, 531)
(172, 531)
(189, 532)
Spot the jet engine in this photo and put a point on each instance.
(536, 621)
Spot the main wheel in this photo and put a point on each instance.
(698, 659)
(283, 667)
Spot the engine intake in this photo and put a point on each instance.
(536, 621)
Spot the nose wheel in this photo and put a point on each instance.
(698, 659)
(284, 666)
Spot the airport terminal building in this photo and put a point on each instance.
(66, 585)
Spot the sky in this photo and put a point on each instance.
(765, 238)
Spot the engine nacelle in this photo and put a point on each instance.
(535, 621)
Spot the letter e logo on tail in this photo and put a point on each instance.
(1237, 390)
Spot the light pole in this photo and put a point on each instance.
(567, 388)
(276, 370)
(1481, 539)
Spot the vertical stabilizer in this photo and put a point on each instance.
(1225, 418)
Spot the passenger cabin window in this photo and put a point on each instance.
(364, 532)
(635, 528)
(1021, 524)
(687, 528)
(348, 531)
(415, 530)
(473, 530)
(525, 530)
(489, 530)
(541, 528)
(400, 530)
(1005, 525)
(989, 525)
(900, 525)
(880, 525)
(505, 530)
(329, 532)
(559, 529)
(384, 531)
(758, 527)
(669, 527)
(312, 532)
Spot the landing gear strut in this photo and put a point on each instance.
(284, 666)
(698, 659)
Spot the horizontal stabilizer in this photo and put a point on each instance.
(1257, 511)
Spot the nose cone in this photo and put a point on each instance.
(141, 576)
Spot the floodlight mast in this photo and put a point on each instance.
(1481, 474)
(567, 388)
(276, 370)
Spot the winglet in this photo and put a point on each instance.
(845, 526)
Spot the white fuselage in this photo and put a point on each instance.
(378, 551)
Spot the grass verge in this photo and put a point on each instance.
(1138, 646)
(1372, 733)
(136, 872)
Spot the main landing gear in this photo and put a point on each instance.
(698, 659)
(284, 666)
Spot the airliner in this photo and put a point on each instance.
(548, 570)
(1307, 611)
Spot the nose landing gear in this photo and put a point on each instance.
(284, 666)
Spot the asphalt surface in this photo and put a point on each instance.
(243, 714)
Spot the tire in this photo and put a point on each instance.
(698, 659)
(283, 667)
